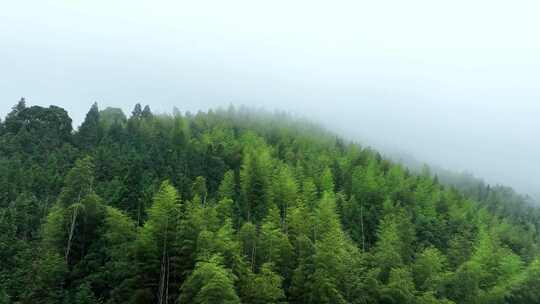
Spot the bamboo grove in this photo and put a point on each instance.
(243, 206)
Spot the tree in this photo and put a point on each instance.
(90, 130)
(21, 105)
(12, 123)
(37, 131)
(274, 244)
(249, 241)
(430, 227)
(224, 209)
(327, 181)
(156, 241)
(299, 222)
(77, 197)
(118, 236)
(302, 288)
(223, 243)
(84, 295)
(255, 184)
(400, 287)
(49, 281)
(25, 213)
(464, 285)
(199, 188)
(325, 271)
(333, 255)
(4, 297)
(264, 287)
(309, 193)
(79, 182)
(146, 113)
(80, 210)
(393, 249)
(430, 270)
(326, 219)
(137, 111)
(367, 188)
(274, 211)
(352, 216)
(528, 289)
(489, 275)
(284, 190)
(227, 188)
(111, 117)
(209, 283)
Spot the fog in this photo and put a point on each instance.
(454, 84)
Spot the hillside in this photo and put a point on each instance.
(242, 206)
(493, 196)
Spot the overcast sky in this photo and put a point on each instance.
(454, 83)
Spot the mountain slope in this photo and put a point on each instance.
(235, 206)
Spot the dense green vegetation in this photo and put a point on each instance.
(237, 206)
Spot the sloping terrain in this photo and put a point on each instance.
(235, 205)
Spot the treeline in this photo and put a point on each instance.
(240, 206)
(499, 200)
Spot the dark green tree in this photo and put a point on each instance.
(209, 283)
(90, 131)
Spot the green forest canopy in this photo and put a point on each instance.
(242, 206)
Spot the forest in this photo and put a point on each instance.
(236, 205)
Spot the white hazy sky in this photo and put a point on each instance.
(454, 83)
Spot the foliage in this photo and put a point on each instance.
(235, 205)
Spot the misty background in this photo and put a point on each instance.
(454, 84)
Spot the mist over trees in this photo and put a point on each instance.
(242, 206)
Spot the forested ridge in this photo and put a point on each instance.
(243, 206)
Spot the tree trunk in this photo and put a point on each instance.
(164, 268)
(71, 231)
(362, 226)
(72, 228)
